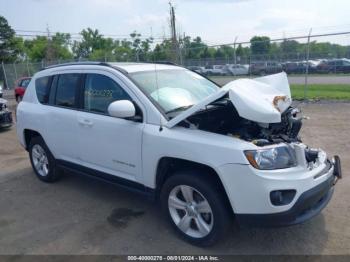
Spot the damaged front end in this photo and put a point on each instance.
(5, 114)
(257, 110)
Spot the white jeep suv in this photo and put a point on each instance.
(208, 154)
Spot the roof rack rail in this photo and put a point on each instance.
(86, 63)
(77, 63)
(164, 63)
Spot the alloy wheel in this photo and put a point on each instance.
(40, 160)
(190, 211)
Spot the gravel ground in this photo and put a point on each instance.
(79, 215)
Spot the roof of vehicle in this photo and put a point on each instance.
(22, 78)
(137, 67)
(126, 67)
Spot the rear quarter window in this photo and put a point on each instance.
(42, 89)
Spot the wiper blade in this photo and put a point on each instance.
(178, 109)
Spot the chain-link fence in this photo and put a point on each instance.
(300, 57)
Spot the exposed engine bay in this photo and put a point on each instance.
(221, 117)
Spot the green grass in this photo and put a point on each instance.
(322, 91)
(319, 74)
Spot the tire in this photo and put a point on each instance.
(43, 162)
(214, 224)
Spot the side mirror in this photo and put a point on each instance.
(121, 109)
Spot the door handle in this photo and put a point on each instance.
(86, 122)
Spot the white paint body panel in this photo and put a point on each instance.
(132, 150)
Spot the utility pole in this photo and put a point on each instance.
(184, 46)
(49, 50)
(175, 46)
(307, 64)
(234, 51)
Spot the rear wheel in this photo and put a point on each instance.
(195, 208)
(43, 162)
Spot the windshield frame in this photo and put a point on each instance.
(153, 101)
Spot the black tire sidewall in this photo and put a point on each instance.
(221, 212)
(53, 174)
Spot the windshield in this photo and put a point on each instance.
(174, 89)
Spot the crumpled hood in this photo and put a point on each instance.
(260, 100)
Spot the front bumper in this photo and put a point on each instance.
(309, 204)
(249, 189)
(5, 119)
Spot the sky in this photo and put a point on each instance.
(217, 22)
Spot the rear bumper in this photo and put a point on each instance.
(309, 204)
(5, 119)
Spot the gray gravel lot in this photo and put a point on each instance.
(79, 215)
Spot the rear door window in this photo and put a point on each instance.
(67, 89)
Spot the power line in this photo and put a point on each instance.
(38, 32)
(80, 37)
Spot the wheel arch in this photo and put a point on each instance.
(28, 135)
(167, 166)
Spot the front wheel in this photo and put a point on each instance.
(196, 209)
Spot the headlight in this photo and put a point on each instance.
(272, 158)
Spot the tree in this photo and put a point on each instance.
(61, 43)
(146, 48)
(92, 40)
(162, 51)
(242, 53)
(36, 48)
(11, 47)
(55, 48)
(260, 45)
(225, 52)
(140, 48)
(193, 49)
(136, 44)
(289, 46)
(122, 50)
